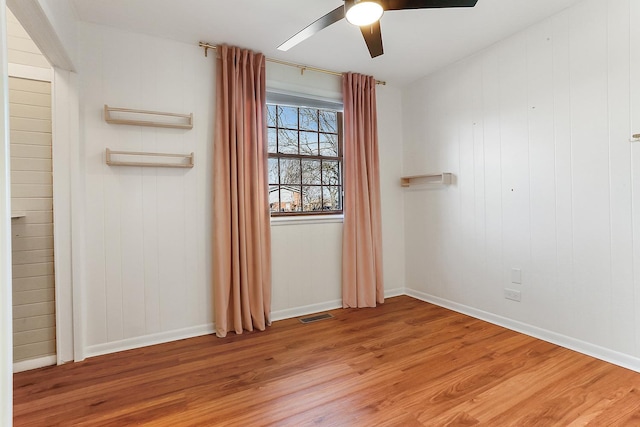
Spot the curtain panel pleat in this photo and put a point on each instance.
(241, 222)
(362, 279)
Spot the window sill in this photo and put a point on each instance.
(310, 219)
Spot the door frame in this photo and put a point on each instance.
(68, 185)
(6, 333)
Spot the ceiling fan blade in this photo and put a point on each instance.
(425, 4)
(328, 19)
(373, 37)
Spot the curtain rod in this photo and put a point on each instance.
(302, 68)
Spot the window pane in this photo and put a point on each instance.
(309, 143)
(309, 119)
(287, 141)
(272, 140)
(288, 117)
(311, 199)
(331, 198)
(271, 115)
(311, 172)
(274, 202)
(330, 172)
(328, 121)
(273, 172)
(289, 171)
(290, 199)
(328, 145)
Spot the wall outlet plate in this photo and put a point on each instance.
(512, 294)
(516, 275)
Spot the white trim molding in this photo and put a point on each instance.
(6, 318)
(605, 354)
(395, 292)
(40, 362)
(290, 313)
(67, 230)
(30, 72)
(35, 21)
(323, 306)
(147, 340)
(306, 220)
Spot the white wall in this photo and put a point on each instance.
(307, 255)
(390, 137)
(536, 131)
(147, 259)
(148, 232)
(306, 263)
(306, 267)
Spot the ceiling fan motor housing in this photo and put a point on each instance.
(363, 12)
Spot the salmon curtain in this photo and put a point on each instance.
(241, 223)
(362, 283)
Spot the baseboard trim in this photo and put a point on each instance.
(304, 310)
(40, 362)
(390, 293)
(163, 337)
(323, 306)
(605, 354)
(147, 340)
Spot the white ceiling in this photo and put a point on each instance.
(416, 42)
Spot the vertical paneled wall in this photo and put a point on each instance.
(148, 237)
(32, 227)
(537, 132)
(307, 256)
(148, 233)
(306, 268)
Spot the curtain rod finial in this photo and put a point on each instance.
(206, 47)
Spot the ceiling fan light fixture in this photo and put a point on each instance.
(363, 12)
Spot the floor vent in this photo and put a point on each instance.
(315, 318)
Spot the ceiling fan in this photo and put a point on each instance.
(366, 14)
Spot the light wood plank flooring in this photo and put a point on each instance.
(405, 363)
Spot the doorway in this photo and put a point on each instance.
(33, 284)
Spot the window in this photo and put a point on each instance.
(305, 160)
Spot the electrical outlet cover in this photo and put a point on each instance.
(516, 275)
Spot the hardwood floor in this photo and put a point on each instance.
(405, 363)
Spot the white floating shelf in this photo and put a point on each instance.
(443, 178)
(16, 215)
